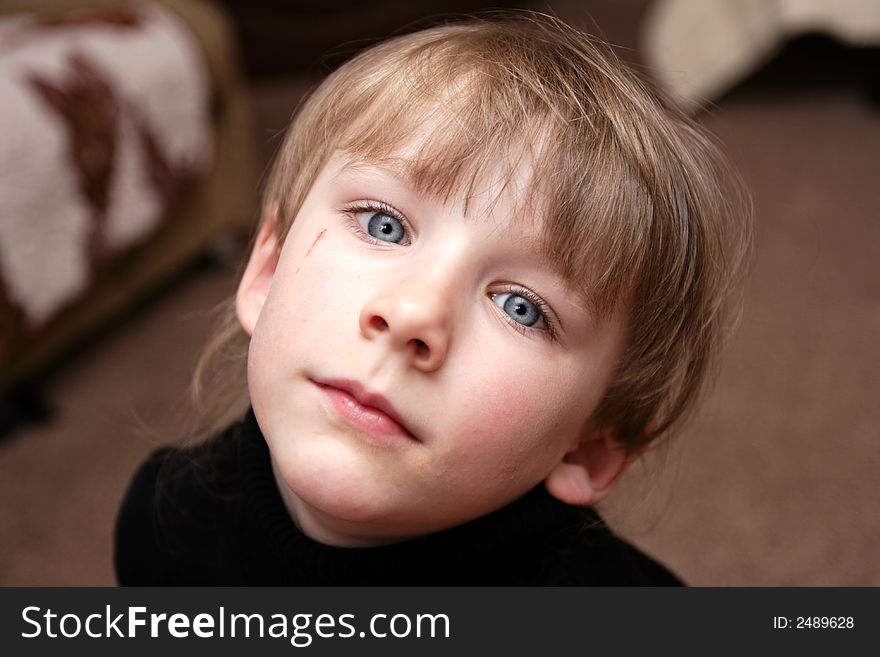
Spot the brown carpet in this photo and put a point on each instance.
(773, 483)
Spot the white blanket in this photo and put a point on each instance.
(104, 120)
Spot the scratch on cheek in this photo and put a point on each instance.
(317, 239)
(309, 252)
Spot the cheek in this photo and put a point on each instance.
(305, 286)
(516, 393)
(509, 410)
(516, 423)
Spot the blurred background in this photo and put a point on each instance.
(132, 140)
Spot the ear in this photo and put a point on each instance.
(587, 471)
(254, 286)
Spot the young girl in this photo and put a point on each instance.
(490, 272)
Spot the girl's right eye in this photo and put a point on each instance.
(379, 222)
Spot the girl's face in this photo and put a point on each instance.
(487, 367)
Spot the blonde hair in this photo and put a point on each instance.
(637, 204)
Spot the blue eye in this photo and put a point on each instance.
(521, 310)
(378, 223)
(383, 227)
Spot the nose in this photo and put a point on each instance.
(415, 319)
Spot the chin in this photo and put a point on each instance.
(343, 491)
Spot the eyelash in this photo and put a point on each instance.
(351, 211)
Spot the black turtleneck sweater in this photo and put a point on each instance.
(213, 515)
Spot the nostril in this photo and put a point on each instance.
(378, 323)
(421, 348)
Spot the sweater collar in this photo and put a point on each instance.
(495, 547)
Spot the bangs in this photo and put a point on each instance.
(457, 124)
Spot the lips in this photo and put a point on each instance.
(368, 410)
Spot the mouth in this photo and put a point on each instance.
(363, 409)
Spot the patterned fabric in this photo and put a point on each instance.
(104, 122)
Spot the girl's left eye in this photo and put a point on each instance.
(526, 311)
(380, 222)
